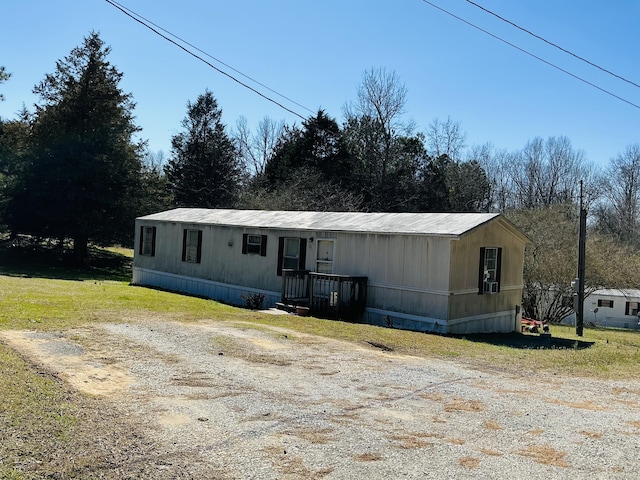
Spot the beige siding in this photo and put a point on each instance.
(222, 259)
(413, 261)
(406, 273)
(465, 258)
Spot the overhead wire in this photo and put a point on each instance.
(150, 26)
(553, 44)
(591, 84)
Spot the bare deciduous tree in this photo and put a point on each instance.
(382, 97)
(256, 148)
(445, 138)
(545, 172)
(496, 164)
(619, 215)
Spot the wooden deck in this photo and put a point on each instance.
(326, 295)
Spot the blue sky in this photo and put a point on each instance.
(316, 52)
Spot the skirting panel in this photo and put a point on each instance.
(223, 292)
(500, 322)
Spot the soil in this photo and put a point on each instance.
(243, 401)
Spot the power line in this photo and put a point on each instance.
(148, 25)
(531, 54)
(553, 44)
(214, 58)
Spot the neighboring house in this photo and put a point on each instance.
(612, 308)
(442, 272)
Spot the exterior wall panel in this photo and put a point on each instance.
(465, 259)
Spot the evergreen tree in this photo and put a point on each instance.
(205, 169)
(14, 157)
(316, 147)
(4, 76)
(83, 178)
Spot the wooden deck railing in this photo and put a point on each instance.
(326, 295)
(295, 287)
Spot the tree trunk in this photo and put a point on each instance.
(80, 248)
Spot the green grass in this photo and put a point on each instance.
(37, 419)
(40, 419)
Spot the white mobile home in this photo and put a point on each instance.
(616, 308)
(441, 272)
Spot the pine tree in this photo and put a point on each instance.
(83, 180)
(205, 169)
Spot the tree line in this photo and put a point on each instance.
(72, 169)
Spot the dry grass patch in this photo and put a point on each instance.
(456, 441)
(197, 379)
(410, 441)
(587, 405)
(634, 423)
(294, 464)
(590, 434)
(629, 403)
(525, 393)
(546, 455)
(491, 425)
(318, 436)
(536, 431)
(274, 450)
(469, 462)
(368, 457)
(493, 453)
(436, 397)
(463, 405)
(625, 391)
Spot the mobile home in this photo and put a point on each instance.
(441, 272)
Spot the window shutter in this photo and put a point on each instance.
(153, 243)
(199, 254)
(481, 272)
(184, 244)
(280, 255)
(302, 259)
(498, 267)
(245, 239)
(263, 246)
(141, 239)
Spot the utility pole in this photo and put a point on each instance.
(582, 243)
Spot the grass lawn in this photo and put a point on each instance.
(40, 417)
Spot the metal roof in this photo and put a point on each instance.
(435, 224)
(616, 292)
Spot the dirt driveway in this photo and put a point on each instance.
(252, 402)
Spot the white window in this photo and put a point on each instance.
(489, 271)
(191, 246)
(632, 308)
(605, 303)
(490, 264)
(147, 241)
(291, 255)
(324, 256)
(254, 244)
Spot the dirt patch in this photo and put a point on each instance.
(71, 362)
(546, 455)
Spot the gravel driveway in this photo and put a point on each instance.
(255, 402)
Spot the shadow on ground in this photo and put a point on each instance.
(40, 260)
(528, 341)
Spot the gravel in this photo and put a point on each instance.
(249, 402)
